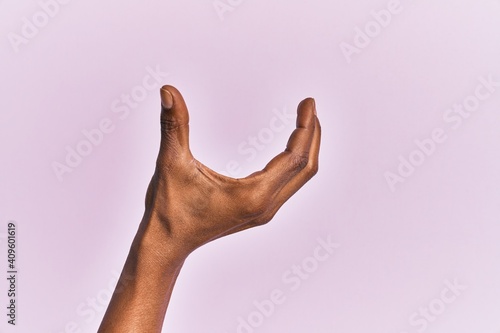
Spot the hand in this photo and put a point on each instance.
(188, 204)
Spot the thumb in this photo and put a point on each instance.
(174, 120)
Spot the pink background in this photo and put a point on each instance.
(397, 248)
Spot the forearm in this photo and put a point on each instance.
(142, 294)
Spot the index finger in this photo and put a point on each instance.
(282, 168)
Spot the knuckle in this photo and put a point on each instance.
(312, 168)
(253, 204)
(299, 161)
(267, 216)
(255, 209)
(168, 124)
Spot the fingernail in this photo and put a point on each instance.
(314, 107)
(167, 100)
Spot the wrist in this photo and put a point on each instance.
(153, 245)
(143, 291)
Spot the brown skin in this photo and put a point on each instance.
(188, 205)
